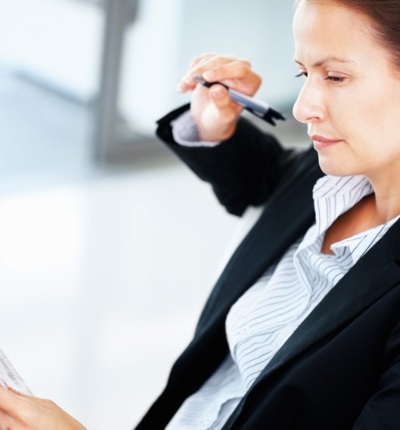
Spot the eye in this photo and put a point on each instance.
(301, 75)
(334, 78)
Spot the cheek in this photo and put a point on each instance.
(380, 124)
(373, 136)
(378, 108)
(365, 119)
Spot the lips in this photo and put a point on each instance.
(321, 142)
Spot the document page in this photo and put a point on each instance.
(9, 378)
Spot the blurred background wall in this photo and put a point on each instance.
(108, 245)
(79, 48)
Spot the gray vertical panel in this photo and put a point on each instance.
(118, 13)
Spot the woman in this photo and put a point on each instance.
(302, 330)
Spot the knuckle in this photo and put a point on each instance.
(49, 404)
(246, 63)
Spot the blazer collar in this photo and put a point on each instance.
(355, 292)
(374, 275)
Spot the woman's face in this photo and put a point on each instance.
(350, 98)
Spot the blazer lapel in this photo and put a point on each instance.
(374, 275)
(285, 218)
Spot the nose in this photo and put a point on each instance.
(309, 106)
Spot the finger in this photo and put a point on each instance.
(223, 112)
(24, 412)
(19, 407)
(202, 59)
(9, 401)
(44, 403)
(199, 65)
(7, 422)
(27, 396)
(210, 62)
(237, 75)
(187, 83)
(227, 109)
(15, 391)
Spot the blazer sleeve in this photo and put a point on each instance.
(243, 170)
(382, 411)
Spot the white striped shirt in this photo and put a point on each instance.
(261, 321)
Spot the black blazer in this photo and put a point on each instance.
(341, 368)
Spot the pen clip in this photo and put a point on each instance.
(269, 115)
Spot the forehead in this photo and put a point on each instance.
(332, 28)
(324, 28)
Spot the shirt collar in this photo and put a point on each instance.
(335, 195)
(360, 243)
(332, 197)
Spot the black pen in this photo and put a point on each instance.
(257, 107)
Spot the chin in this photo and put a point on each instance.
(334, 168)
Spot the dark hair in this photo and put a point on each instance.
(385, 18)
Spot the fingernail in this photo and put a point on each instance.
(217, 92)
(181, 86)
(210, 74)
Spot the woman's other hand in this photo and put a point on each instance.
(214, 112)
(22, 412)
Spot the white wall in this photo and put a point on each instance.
(170, 33)
(151, 64)
(258, 30)
(59, 41)
(55, 41)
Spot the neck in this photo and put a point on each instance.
(386, 201)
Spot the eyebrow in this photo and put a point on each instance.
(329, 59)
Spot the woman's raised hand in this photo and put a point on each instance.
(214, 112)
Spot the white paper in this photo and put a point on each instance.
(9, 378)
